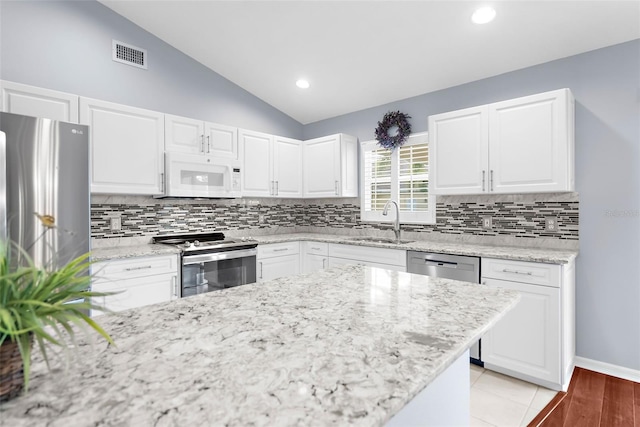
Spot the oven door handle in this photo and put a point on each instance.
(217, 256)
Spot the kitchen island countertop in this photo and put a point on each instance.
(348, 345)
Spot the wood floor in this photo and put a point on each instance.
(593, 400)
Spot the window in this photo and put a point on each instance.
(401, 175)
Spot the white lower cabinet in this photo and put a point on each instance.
(278, 260)
(535, 340)
(391, 259)
(136, 281)
(314, 256)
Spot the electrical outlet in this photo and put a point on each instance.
(353, 218)
(326, 217)
(551, 224)
(116, 223)
(260, 219)
(487, 222)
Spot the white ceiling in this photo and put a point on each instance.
(360, 54)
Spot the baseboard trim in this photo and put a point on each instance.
(608, 369)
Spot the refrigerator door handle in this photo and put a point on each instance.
(3, 187)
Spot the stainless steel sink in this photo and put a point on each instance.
(381, 240)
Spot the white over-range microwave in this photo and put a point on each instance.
(195, 175)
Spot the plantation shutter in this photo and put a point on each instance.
(413, 176)
(377, 178)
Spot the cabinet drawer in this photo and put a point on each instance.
(395, 257)
(130, 268)
(316, 248)
(522, 271)
(136, 292)
(278, 249)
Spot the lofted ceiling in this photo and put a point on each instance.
(360, 54)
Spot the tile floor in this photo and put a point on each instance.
(502, 401)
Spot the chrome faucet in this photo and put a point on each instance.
(396, 225)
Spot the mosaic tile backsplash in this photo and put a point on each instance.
(513, 218)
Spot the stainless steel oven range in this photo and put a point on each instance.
(211, 263)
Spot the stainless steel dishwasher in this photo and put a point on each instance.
(456, 267)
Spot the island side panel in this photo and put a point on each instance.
(444, 402)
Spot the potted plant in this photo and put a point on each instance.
(41, 305)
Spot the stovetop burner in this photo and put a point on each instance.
(204, 241)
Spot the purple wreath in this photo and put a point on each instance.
(391, 119)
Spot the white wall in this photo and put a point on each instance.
(606, 86)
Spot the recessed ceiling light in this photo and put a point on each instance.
(302, 84)
(483, 15)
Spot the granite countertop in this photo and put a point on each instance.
(112, 252)
(349, 345)
(551, 256)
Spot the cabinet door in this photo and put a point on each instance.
(287, 167)
(256, 153)
(313, 263)
(137, 292)
(458, 150)
(321, 167)
(221, 141)
(531, 143)
(527, 339)
(127, 147)
(184, 135)
(281, 266)
(38, 102)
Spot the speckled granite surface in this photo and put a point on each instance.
(346, 346)
(552, 256)
(104, 253)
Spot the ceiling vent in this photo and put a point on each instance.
(130, 55)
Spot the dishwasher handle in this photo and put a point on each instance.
(445, 264)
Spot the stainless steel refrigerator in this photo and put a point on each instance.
(44, 187)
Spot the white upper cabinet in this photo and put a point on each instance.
(515, 146)
(38, 102)
(192, 136)
(257, 157)
(531, 143)
(287, 167)
(330, 166)
(459, 148)
(272, 165)
(127, 148)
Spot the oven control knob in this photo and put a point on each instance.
(187, 244)
(196, 243)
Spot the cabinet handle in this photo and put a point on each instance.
(202, 144)
(483, 174)
(491, 180)
(260, 270)
(277, 190)
(272, 191)
(314, 249)
(208, 144)
(137, 268)
(336, 188)
(281, 250)
(506, 270)
(323, 262)
(162, 181)
(174, 282)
